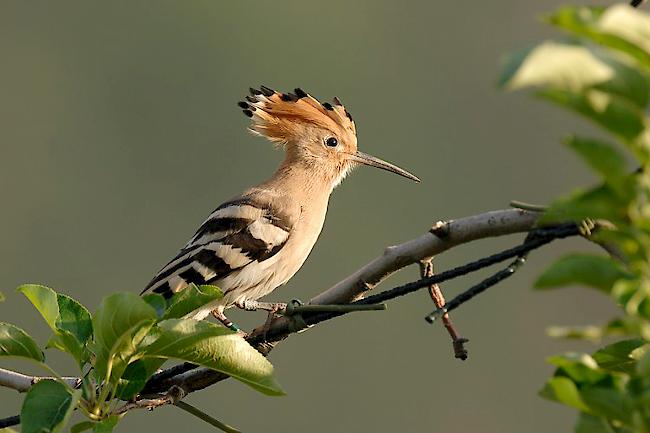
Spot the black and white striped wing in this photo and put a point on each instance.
(234, 235)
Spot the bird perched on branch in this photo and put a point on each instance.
(258, 240)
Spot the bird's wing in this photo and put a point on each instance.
(235, 234)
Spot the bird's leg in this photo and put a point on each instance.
(218, 314)
(271, 307)
(251, 305)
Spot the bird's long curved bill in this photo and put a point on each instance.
(364, 158)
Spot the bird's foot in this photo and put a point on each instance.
(273, 313)
(272, 307)
(218, 314)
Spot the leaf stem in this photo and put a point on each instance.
(205, 417)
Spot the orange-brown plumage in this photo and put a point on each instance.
(281, 116)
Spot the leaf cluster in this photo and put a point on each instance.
(601, 71)
(118, 348)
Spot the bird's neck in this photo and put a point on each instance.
(303, 180)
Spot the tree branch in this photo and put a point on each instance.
(441, 237)
(22, 382)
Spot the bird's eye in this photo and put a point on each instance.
(332, 142)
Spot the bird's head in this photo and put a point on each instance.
(322, 136)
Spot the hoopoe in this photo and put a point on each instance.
(258, 240)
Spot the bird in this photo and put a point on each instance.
(257, 240)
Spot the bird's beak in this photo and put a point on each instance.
(364, 158)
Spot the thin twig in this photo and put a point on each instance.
(494, 279)
(145, 403)
(477, 289)
(205, 417)
(528, 206)
(458, 342)
(172, 396)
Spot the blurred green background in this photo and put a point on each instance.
(119, 133)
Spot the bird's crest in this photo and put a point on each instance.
(280, 116)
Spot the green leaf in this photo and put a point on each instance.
(592, 424)
(61, 312)
(603, 157)
(612, 113)
(563, 390)
(607, 402)
(215, 347)
(66, 342)
(157, 301)
(621, 356)
(120, 323)
(578, 71)
(191, 298)
(591, 333)
(579, 367)
(82, 426)
(588, 332)
(561, 66)
(511, 65)
(124, 351)
(74, 318)
(44, 299)
(16, 342)
(599, 202)
(69, 320)
(584, 22)
(632, 241)
(133, 380)
(625, 291)
(643, 365)
(2, 297)
(586, 269)
(47, 407)
(628, 83)
(576, 18)
(107, 425)
(627, 23)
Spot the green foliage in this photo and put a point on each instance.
(123, 343)
(16, 342)
(586, 269)
(604, 158)
(215, 347)
(69, 320)
(190, 299)
(47, 407)
(603, 74)
(120, 323)
(157, 302)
